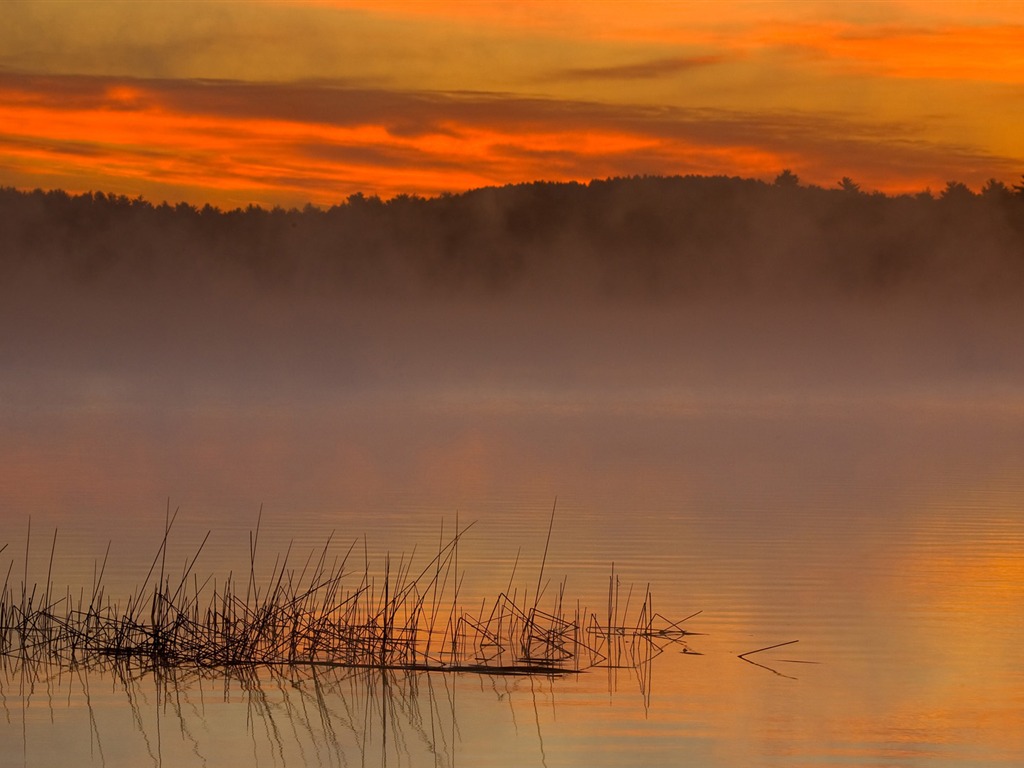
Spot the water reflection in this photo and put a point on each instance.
(860, 491)
(895, 559)
(286, 715)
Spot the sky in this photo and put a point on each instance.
(288, 103)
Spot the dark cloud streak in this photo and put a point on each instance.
(664, 139)
(645, 70)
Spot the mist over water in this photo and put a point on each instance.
(625, 285)
(798, 411)
(608, 344)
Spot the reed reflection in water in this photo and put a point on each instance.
(301, 715)
(259, 715)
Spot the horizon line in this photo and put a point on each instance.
(1005, 187)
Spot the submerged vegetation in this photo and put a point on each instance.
(327, 613)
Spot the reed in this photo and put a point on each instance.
(326, 612)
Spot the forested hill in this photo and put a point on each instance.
(650, 236)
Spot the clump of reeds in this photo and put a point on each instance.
(325, 612)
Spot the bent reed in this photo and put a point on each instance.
(328, 614)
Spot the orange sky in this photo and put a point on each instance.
(293, 102)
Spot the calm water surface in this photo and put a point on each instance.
(881, 527)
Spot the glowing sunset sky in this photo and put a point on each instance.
(290, 102)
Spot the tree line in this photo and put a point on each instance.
(643, 236)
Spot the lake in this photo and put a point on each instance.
(849, 479)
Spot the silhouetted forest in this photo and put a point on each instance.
(644, 236)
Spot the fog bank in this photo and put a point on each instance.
(609, 290)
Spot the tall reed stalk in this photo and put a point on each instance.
(325, 613)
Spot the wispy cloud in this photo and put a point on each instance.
(900, 38)
(640, 71)
(288, 102)
(982, 53)
(292, 143)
